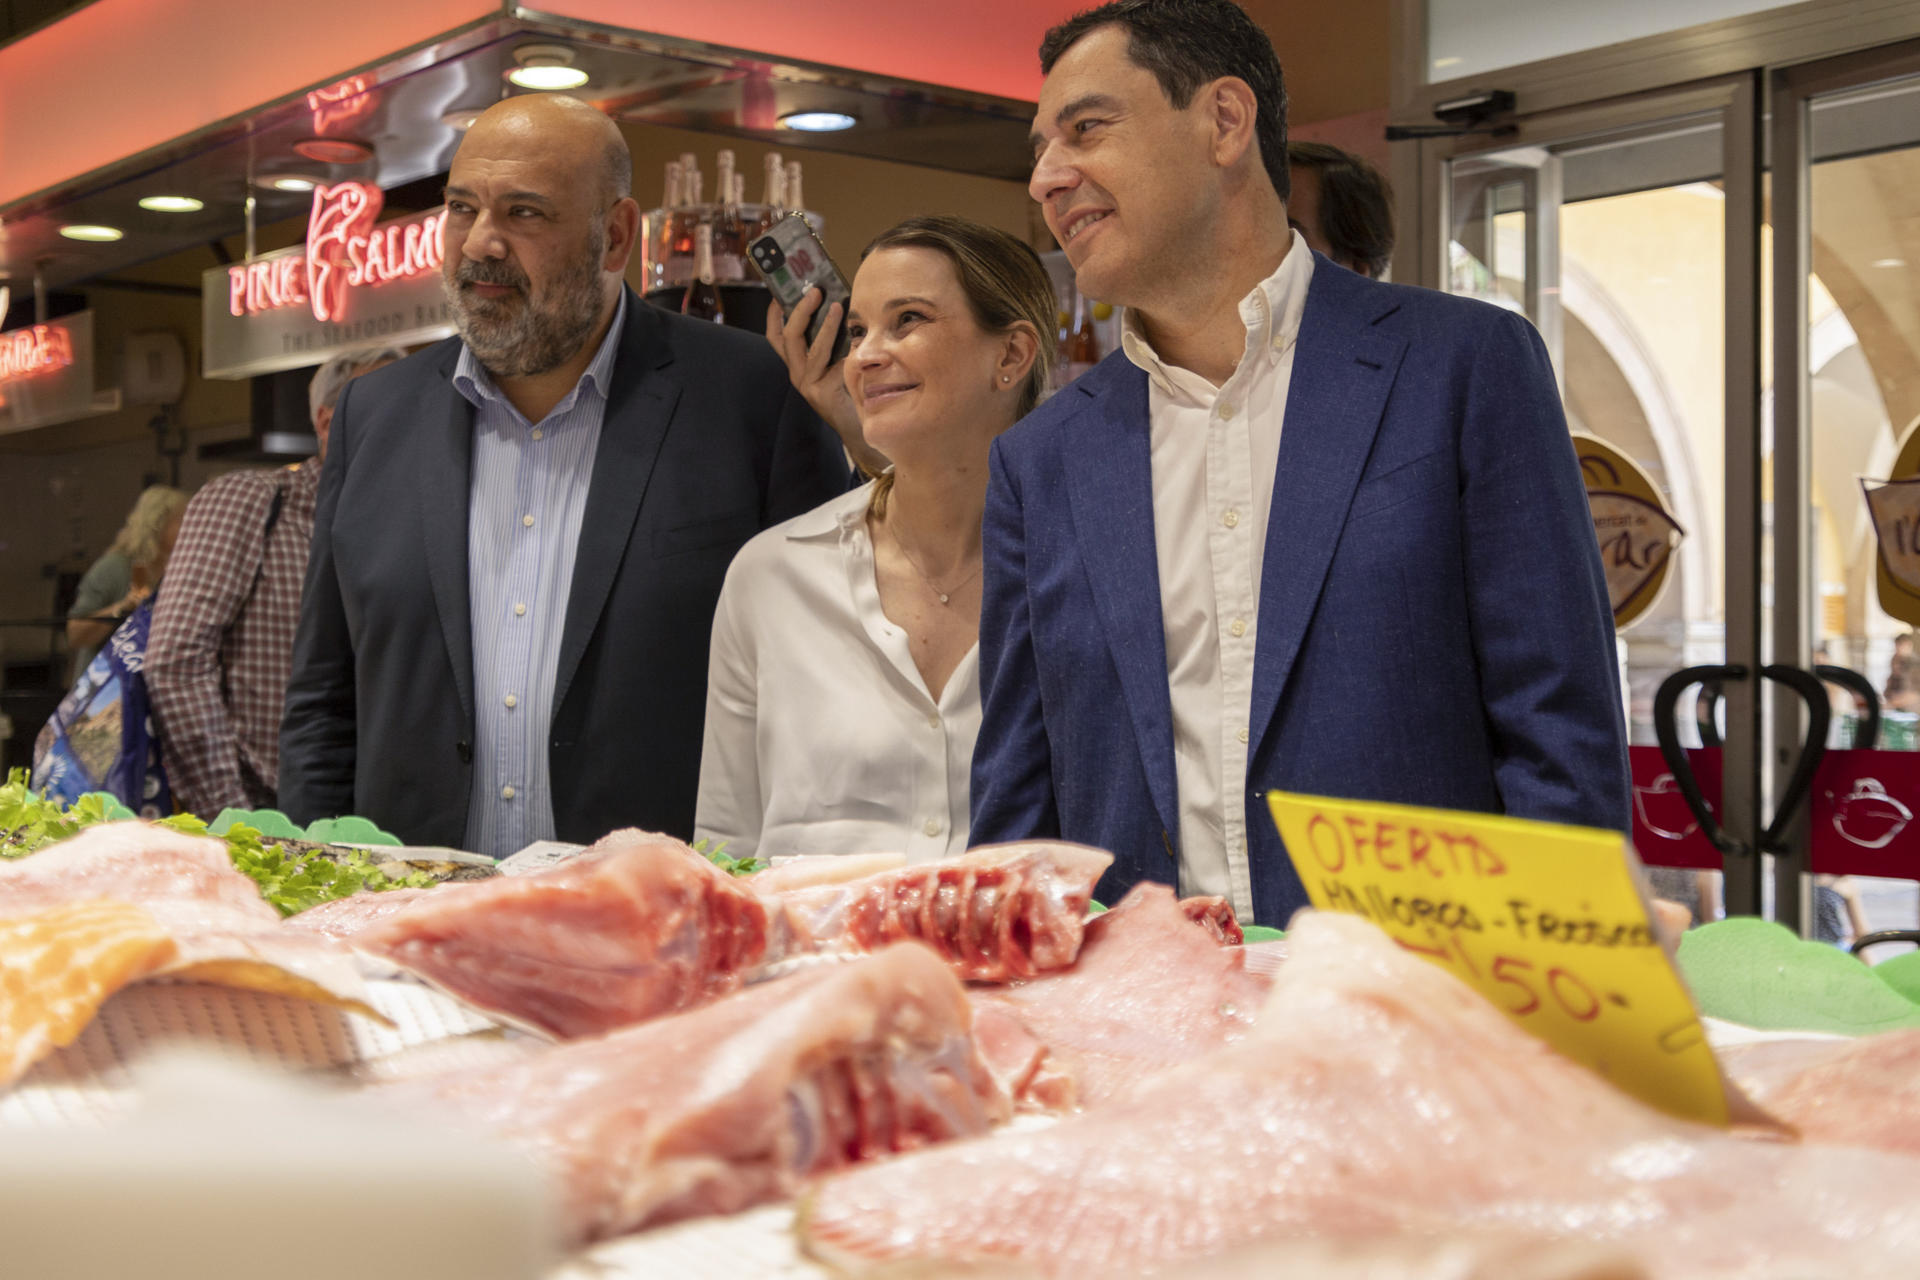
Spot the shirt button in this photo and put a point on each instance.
(1243, 735)
(506, 792)
(1239, 627)
(933, 722)
(527, 521)
(1231, 519)
(538, 434)
(511, 701)
(932, 827)
(519, 610)
(1226, 412)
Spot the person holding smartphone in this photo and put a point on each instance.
(843, 691)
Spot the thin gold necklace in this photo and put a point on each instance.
(944, 596)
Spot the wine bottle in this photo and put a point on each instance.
(776, 182)
(1082, 350)
(793, 196)
(702, 300)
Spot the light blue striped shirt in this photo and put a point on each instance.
(527, 498)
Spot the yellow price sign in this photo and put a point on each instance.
(1545, 921)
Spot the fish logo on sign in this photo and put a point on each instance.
(1869, 817)
(340, 214)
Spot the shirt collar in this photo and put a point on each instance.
(1271, 313)
(473, 381)
(847, 511)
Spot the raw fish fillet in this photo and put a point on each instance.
(997, 912)
(1151, 989)
(224, 931)
(1861, 1092)
(811, 870)
(344, 917)
(59, 965)
(722, 1108)
(1378, 1096)
(1215, 915)
(637, 926)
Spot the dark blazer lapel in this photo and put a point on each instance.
(1343, 369)
(639, 406)
(1107, 457)
(445, 496)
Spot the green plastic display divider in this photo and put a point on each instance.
(275, 825)
(1261, 933)
(110, 803)
(1902, 973)
(1759, 974)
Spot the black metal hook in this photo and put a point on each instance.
(1868, 735)
(1666, 730)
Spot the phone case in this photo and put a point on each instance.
(791, 259)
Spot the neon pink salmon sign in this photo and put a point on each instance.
(345, 251)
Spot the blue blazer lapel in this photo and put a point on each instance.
(1110, 482)
(639, 406)
(445, 496)
(1343, 370)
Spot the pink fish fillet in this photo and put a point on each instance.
(996, 912)
(637, 926)
(1853, 1093)
(225, 931)
(1152, 988)
(345, 917)
(1378, 1096)
(723, 1108)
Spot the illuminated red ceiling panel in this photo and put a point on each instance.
(986, 46)
(121, 76)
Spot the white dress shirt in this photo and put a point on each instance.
(1214, 452)
(821, 736)
(527, 497)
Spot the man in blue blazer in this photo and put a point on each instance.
(522, 532)
(1304, 532)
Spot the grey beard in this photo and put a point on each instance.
(543, 335)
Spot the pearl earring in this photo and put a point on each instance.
(1005, 378)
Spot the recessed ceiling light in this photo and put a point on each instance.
(1441, 64)
(818, 121)
(172, 204)
(92, 233)
(1890, 262)
(547, 78)
(291, 183)
(334, 150)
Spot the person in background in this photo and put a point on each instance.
(1341, 207)
(843, 691)
(1901, 693)
(522, 531)
(221, 646)
(1399, 597)
(125, 575)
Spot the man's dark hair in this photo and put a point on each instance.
(1356, 207)
(1190, 43)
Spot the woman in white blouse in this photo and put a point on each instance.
(843, 695)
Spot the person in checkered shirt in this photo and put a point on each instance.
(221, 648)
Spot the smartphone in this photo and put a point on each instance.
(791, 259)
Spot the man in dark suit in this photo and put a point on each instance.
(1304, 532)
(522, 532)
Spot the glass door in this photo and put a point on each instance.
(1846, 474)
(1611, 229)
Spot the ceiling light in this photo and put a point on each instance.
(92, 233)
(548, 79)
(1441, 64)
(291, 183)
(818, 121)
(171, 204)
(545, 67)
(334, 150)
(1890, 262)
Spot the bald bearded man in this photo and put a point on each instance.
(522, 531)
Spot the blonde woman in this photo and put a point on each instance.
(843, 693)
(120, 579)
